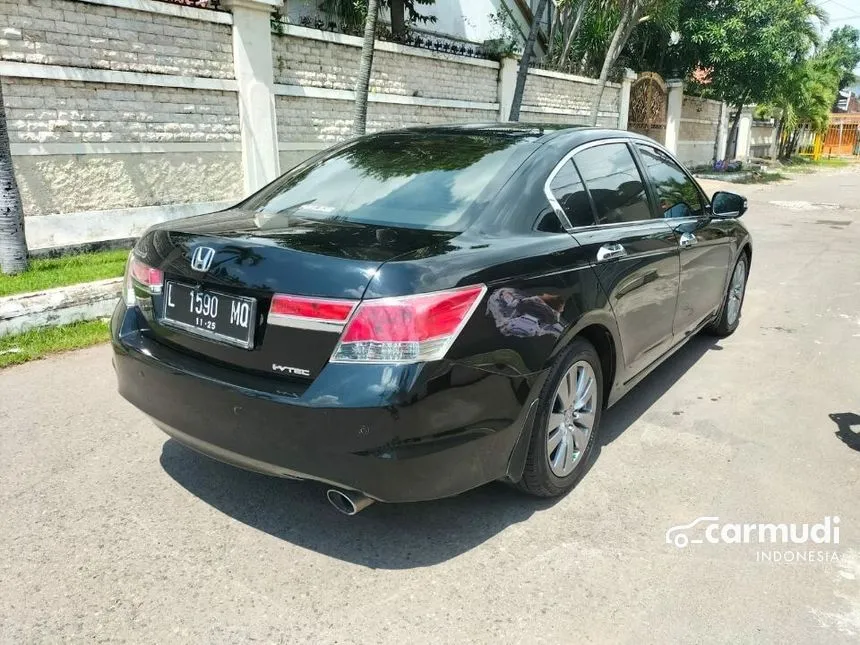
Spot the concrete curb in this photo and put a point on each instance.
(60, 306)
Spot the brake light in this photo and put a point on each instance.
(407, 329)
(145, 276)
(325, 314)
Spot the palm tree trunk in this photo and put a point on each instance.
(574, 29)
(359, 123)
(794, 141)
(523, 73)
(629, 16)
(13, 244)
(398, 18)
(780, 131)
(553, 26)
(733, 132)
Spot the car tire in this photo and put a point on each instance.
(547, 472)
(730, 312)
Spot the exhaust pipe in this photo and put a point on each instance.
(348, 502)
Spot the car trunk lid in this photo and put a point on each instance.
(249, 258)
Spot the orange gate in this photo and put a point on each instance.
(841, 137)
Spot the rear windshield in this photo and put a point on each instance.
(411, 180)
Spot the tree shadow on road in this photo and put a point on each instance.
(845, 421)
(393, 536)
(383, 536)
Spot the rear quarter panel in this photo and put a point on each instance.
(541, 290)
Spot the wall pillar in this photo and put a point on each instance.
(673, 114)
(722, 133)
(624, 100)
(508, 69)
(742, 149)
(252, 60)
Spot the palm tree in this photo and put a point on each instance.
(572, 26)
(359, 124)
(13, 245)
(523, 73)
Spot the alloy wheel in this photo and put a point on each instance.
(571, 420)
(736, 291)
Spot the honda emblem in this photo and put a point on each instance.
(201, 259)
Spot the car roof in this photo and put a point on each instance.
(573, 134)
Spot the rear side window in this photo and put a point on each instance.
(677, 195)
(437, 181)
(569, 192)
(616, 187)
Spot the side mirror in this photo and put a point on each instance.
(725, 204)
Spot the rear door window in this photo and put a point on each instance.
(677, 195)
(617, 189)
(569, 192)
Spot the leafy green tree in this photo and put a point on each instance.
(405, 12)
(844, 47)
(748, 47)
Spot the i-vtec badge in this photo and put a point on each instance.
(297, 371)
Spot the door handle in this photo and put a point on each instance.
(610, 251)
(687, 239)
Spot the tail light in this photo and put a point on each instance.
(323, 314)
(138, 273)
(407, 329)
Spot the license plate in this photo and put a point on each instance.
(212, 314)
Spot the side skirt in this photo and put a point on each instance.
(617, 393)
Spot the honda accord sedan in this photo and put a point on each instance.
(411, 314)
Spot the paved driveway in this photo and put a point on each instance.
(111, 532)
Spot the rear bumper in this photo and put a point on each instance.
(396, 434)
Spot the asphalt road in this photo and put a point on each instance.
(111, 532)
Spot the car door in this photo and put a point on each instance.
(634, 254)
(704, 243)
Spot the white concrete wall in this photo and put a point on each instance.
(553, 97)
(699, 130)
(762, 135)
(123, 38)
(315, 76)
(117, 104)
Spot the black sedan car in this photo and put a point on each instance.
(415, 313)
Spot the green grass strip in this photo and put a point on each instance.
(37, 343)
(47, 273)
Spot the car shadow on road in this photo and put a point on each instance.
(393, 536)
(636, 402)
(383, 536)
